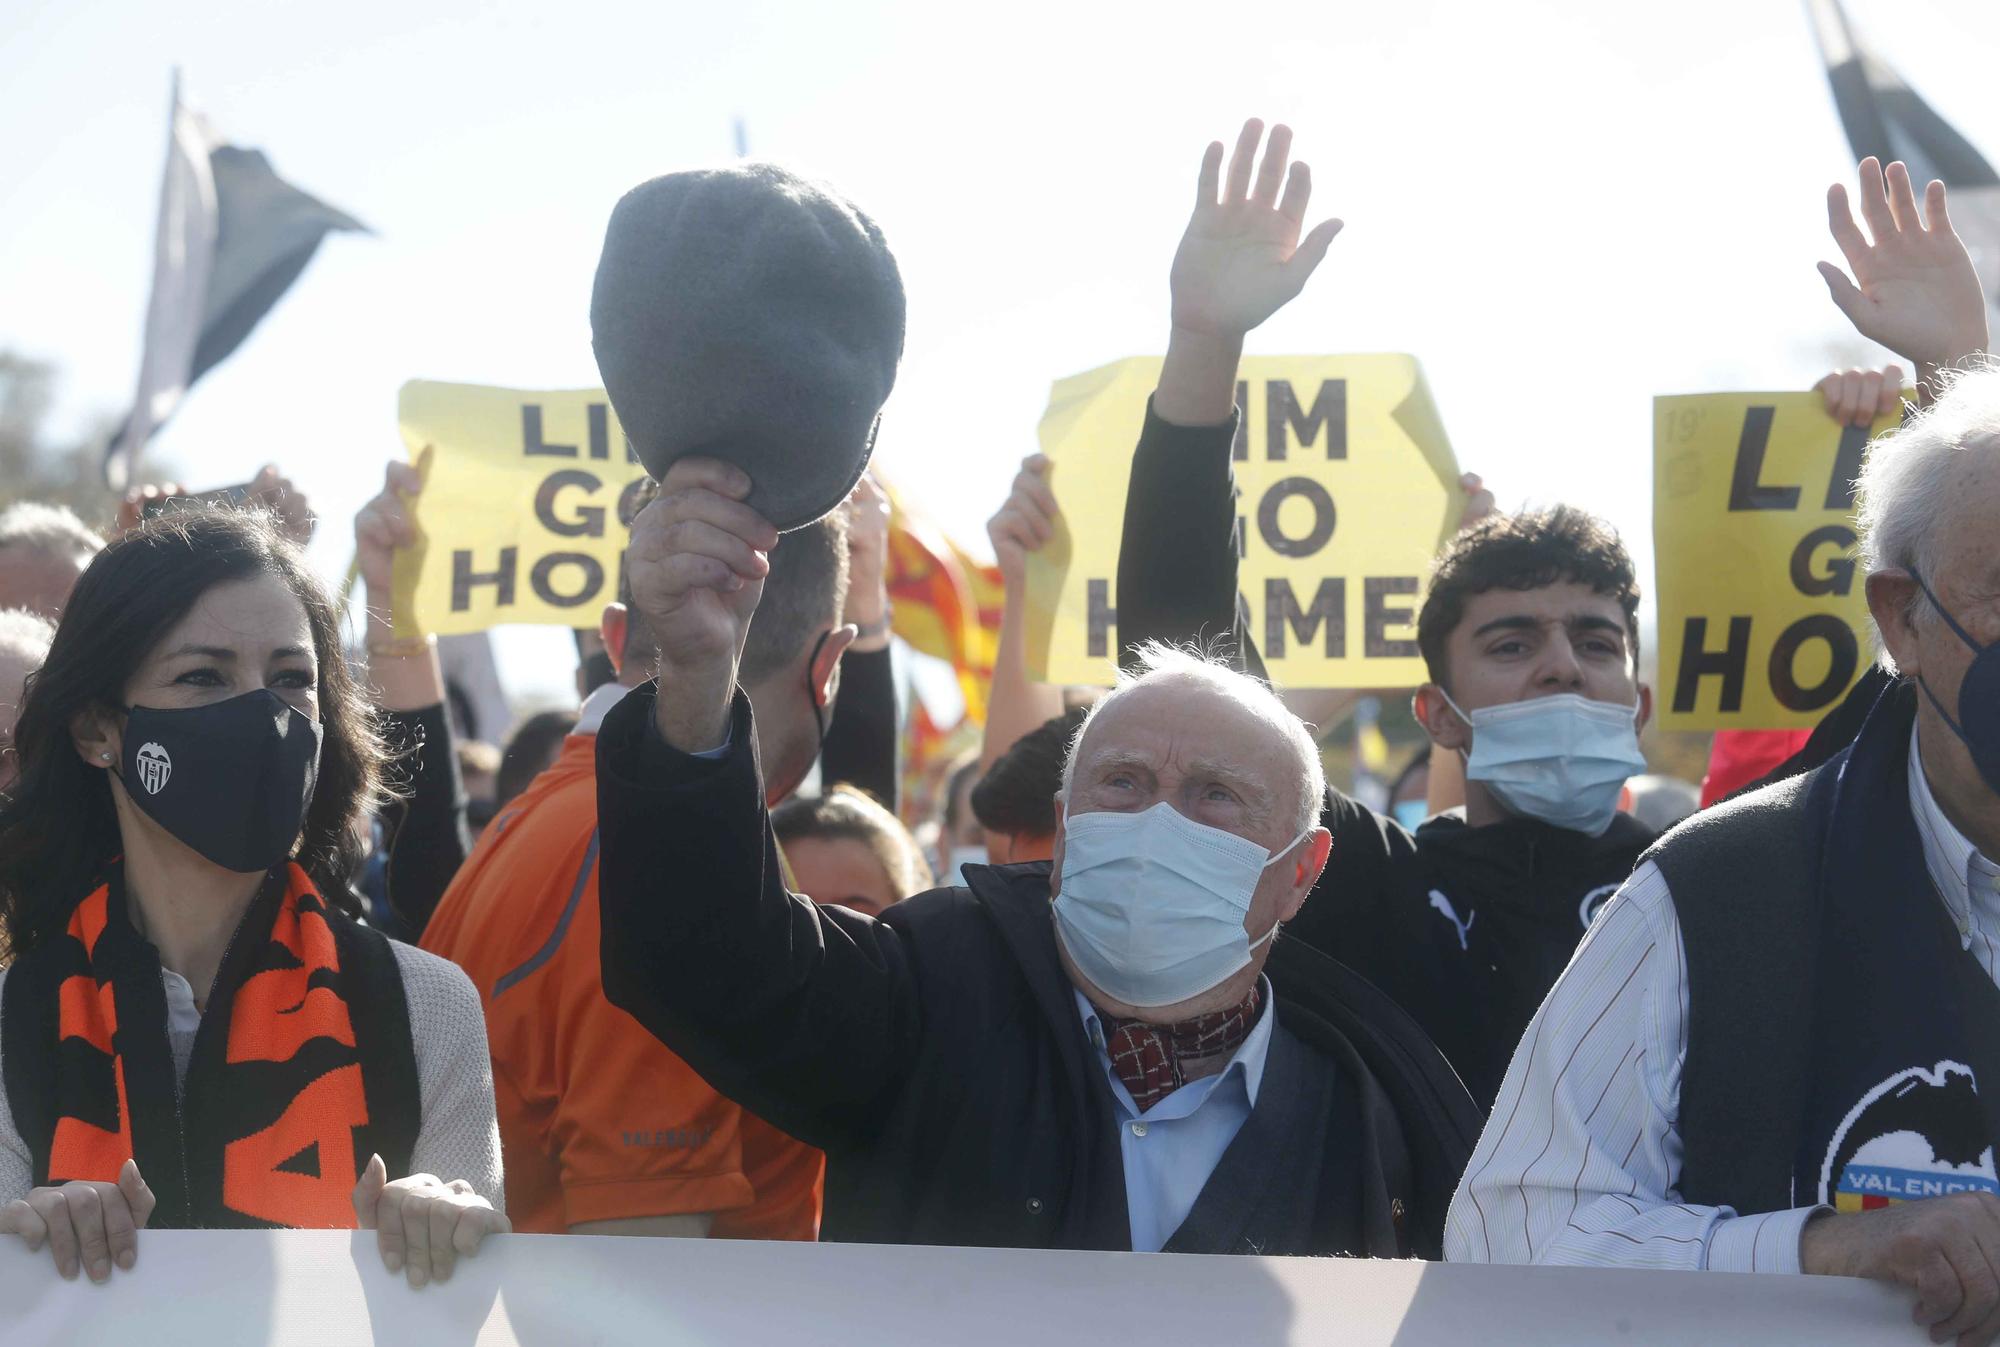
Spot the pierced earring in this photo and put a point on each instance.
(105, 756)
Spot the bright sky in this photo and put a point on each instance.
(1562, 207)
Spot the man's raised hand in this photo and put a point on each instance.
(1242, 257)
(1241, 260)
(696, 565)
(1914, 289)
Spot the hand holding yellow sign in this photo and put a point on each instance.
(1763, 622)
(1346, 485)
(528, 501)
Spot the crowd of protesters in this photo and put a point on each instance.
(282, 948)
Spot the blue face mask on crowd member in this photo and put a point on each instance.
(1151, 905)
(1561, 759)
(1411, 813)
(232, 780)
(1977, 724)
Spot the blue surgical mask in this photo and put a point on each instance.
(1151, 904)
(1411, 813)
(1561, 759)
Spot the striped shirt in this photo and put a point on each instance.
(1578, 1161)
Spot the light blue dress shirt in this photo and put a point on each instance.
(1172, 1148)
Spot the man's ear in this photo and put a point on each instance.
(1306, 870)
(1890, 594)
(826, 665)
(1444, 725)
(1645, 716)
(95, 734)
(611, 629)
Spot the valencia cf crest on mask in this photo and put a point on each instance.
(154, 768)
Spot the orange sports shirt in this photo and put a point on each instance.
(598, 1120)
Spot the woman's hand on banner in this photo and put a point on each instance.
(1914, 289)
(1026, 523)
(696, 564)
(1857, 397)
(422, 1224)
(87, 1226)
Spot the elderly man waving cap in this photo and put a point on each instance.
(1143, 1063)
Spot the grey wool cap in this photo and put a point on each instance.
(749, 315)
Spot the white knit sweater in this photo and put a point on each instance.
(458, 1136)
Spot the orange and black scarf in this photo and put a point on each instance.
(302, 1069)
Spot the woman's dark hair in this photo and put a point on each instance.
(58, 827)
(848, 813)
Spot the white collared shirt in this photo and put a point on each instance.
(1578, 1160)
(1171, 1149)
(590, 716)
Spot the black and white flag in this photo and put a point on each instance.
(1885, 117)
(232, 238)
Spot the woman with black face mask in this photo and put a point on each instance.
(195, 1031)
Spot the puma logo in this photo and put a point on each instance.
(1443, 904)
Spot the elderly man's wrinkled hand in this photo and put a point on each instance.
(696, 565)
(1946, 1250)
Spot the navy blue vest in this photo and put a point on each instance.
(1843, 1046)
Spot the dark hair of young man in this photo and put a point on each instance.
(1530, 550)
(1017, 796)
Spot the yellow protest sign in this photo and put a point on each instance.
(1763, 622)
(527, 504)
(1346, 486)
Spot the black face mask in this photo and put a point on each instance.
(1978, 722)
(231, 780)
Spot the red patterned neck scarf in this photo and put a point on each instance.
(1152, 1059)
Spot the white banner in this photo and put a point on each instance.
(329, 1289)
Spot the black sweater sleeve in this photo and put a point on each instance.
(428, 837)
(862, 742)
(807, 1016)
(1178, 553)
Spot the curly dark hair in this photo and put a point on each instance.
(1524, 551)
(1018, 793)
(58, 826)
